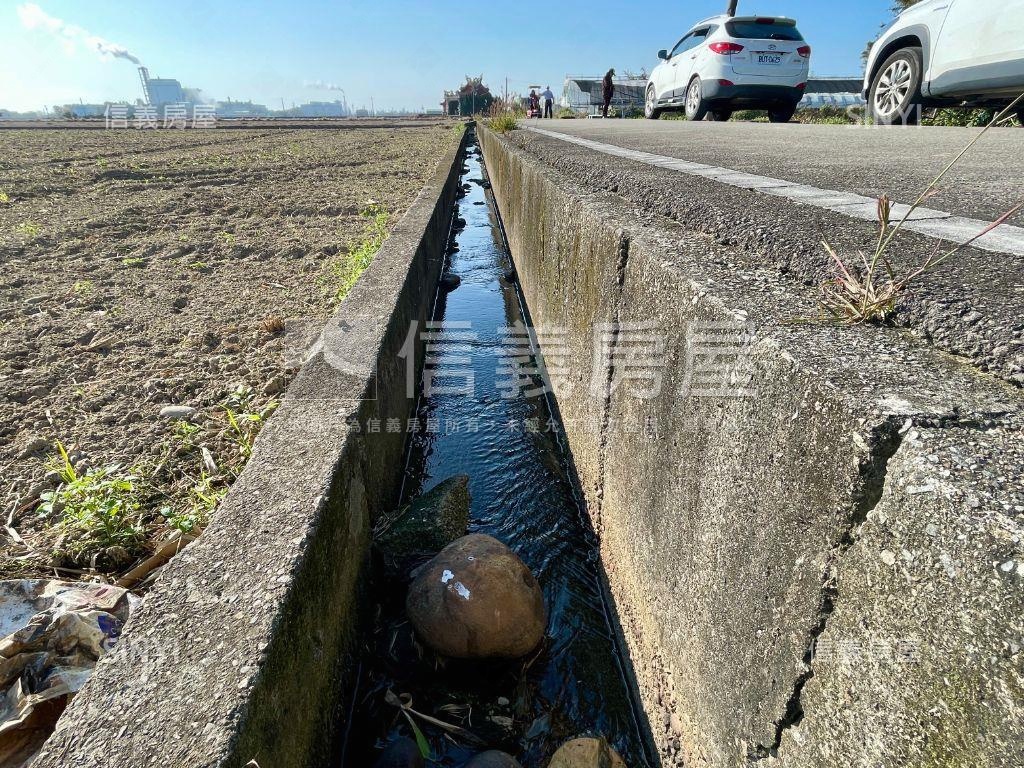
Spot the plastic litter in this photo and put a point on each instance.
(53, 633)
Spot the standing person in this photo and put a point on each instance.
(608, 90)
(549, 102)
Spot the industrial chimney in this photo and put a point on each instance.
(732, 7)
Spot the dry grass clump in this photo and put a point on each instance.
(868, 289)
(273, 325)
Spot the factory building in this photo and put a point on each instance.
(160, 91)
(321, 109)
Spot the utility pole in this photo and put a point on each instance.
(373, 108)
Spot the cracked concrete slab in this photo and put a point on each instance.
(921, 660)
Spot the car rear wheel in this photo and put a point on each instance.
(696, 107)
(721, 115)
(781, 115)
(651, 111)
(895, 96)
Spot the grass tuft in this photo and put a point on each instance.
(868, 289)
(347, 270)
(99, 510)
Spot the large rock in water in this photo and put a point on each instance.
(493, 759)
(586, 753)
(477, 600)
(426, 526)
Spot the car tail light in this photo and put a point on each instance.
(805, 51)
(726, 49)
(801, 87)
(726, 83)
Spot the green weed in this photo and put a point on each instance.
(503, 123)
(347, 271)
(4, 199)
(245, 419)
(29, 230)
(203, 499)
(133, 262)
(186, 433)
(99, 510)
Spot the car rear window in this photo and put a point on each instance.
(762, 30)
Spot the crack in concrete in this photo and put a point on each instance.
(609, 383)
(886, 439)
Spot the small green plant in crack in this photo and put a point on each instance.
(133, 261)
(868, 290)
(4, 199)
(98, 510)
(346, 271)
(84, 288)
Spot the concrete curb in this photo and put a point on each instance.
(737, 527)
(238, 653)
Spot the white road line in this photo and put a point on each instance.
(926, 221)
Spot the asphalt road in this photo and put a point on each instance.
(868, 161)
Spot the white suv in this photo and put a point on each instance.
(732, 62)
(947, 53)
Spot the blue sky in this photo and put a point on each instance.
(402, 53)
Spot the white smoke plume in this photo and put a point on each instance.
(34, 17)
(320, 85)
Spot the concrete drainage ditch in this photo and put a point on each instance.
(484, 413)
(266, 644)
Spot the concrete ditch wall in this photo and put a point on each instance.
(238, 653)
(824, 571)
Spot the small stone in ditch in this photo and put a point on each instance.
(450, 282)
(177, 412)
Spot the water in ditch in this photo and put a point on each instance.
(523, 493)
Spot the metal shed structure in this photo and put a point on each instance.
(583, 93)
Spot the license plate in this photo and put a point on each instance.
(769, 58)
